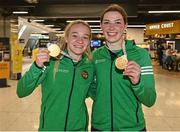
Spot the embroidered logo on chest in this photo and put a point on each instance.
(84, 74)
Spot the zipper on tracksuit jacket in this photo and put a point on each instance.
(43, 117)
(113, 57)
(111, 96)
(69, 100)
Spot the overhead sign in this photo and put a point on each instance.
(43, 43)
(169, 27)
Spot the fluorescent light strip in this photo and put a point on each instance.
(61, 32)
(38, 20)
(50, 25)
(96, 29)
(92, 21)
(20, 12)
(164, 11)
(56, 28)
(98, 21)
(136, 26)
(94, 26)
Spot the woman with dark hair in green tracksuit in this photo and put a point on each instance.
(120, 92)
(65, 81)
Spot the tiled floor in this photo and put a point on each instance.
(23, 114)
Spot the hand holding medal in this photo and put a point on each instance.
(131, 68)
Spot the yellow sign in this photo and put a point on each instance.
(34, 53)
(169, 27)
(16, 54)
(4, 70)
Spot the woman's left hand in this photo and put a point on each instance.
(133, 71)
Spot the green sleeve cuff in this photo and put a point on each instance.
(139, 84)
(35, 69)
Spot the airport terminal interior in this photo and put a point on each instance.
(26, 25)
(23, 114)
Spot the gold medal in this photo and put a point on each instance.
(54, 50)
(121, 62)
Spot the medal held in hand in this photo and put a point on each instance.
(54, 50)
(121, 62)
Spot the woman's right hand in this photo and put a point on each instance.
(42, 56)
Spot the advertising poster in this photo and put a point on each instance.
(4, 70)
(16, 57)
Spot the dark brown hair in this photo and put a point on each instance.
(117, 8)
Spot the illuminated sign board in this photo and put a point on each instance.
(170, 27)
(163, 25)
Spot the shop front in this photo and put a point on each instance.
(164, 34)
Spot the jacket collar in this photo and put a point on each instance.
(129, 44)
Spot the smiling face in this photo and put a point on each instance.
(113, 26)
(77, 39)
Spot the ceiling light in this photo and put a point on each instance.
(56, 29)
(32, 1)
(85, 21)
(38, 20)
(97, 29)
(93, 21)
(137, 26)
(97, 32)
(94, 26)
(50, 25)
(178, 11)
(20, 12)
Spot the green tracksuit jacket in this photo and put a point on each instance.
(117, 102)
(63, 94)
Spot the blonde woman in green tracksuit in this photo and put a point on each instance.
(65, 81)
(120, 93)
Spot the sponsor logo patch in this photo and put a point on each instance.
(100, 61)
